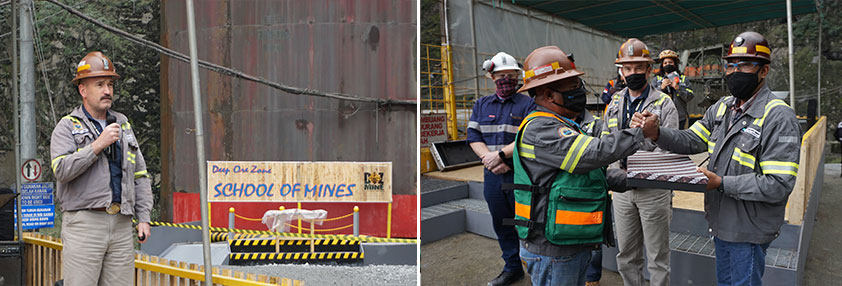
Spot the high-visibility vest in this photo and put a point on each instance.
(571, 211)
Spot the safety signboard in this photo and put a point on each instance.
(37, 205)
(31, 170)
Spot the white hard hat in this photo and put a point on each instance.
(500, 62)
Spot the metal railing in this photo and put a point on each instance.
(43, 268)
(356, 225)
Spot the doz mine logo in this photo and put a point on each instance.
(373, 181)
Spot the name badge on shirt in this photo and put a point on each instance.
(751, 131)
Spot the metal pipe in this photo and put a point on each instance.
(231, 222)
(29, 147)
(200, 140)
(16, 95)
(819, 58)
(474, 39)
(791, 61)
(356, 221)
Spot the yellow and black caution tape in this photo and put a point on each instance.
(267, 241)
(363, 238)
(296, 256)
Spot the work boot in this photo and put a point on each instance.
(592, 283)
(506, 278)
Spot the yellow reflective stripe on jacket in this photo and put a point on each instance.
(660, 101)
(779, 167)
(772, 103)
(131, 157)
(711, 146)
(55, 161)
(575, 152)
(744, 159)
(612, 122)
(701, 131)
(140, 174)
(581, 151)
(54, 164)
(126, 126)
(605, 132)
(523, 149)
(72, 118)
(720, 111)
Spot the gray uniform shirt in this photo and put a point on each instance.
(558, 150)
(83, 177)
(757, 159)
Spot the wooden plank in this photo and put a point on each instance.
(810, 156)
(174, 279)
(183, 281)
(290, 181)
(39, 252)
(474, 174)
(155, 277)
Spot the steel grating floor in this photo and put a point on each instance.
(703, 245)
(429, 184)
(467, 204)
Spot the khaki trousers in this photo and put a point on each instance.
(642, 217)
(98, 249)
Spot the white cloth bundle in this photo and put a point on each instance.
(276, 220)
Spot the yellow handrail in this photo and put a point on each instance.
(192, 274)
(326, 229)
(324, 219)
(54, 244)
(248, 219)
(143, 262)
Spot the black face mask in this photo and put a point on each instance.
(741, 84)
(574, 100)
(636, 81)
(669, 69)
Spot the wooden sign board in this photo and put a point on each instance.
(242, 181)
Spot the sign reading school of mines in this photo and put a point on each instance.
(233, 181)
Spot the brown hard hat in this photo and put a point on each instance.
(750, 45)
(94, 64)
(668, 54)
(546, 65)
(633, 51)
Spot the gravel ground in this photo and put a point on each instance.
(339, 275)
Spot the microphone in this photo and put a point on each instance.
(110, 150)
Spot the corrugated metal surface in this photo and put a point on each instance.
(357, 47)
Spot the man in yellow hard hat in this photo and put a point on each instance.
(754, 142)
(102, 182)
(642, 214)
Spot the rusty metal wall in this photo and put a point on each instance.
(366, 48)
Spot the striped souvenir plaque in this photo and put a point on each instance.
(667, 171)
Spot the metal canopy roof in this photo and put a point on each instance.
(641, 18)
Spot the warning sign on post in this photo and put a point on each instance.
(37, 205)
(433, 128)
(31, 170)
